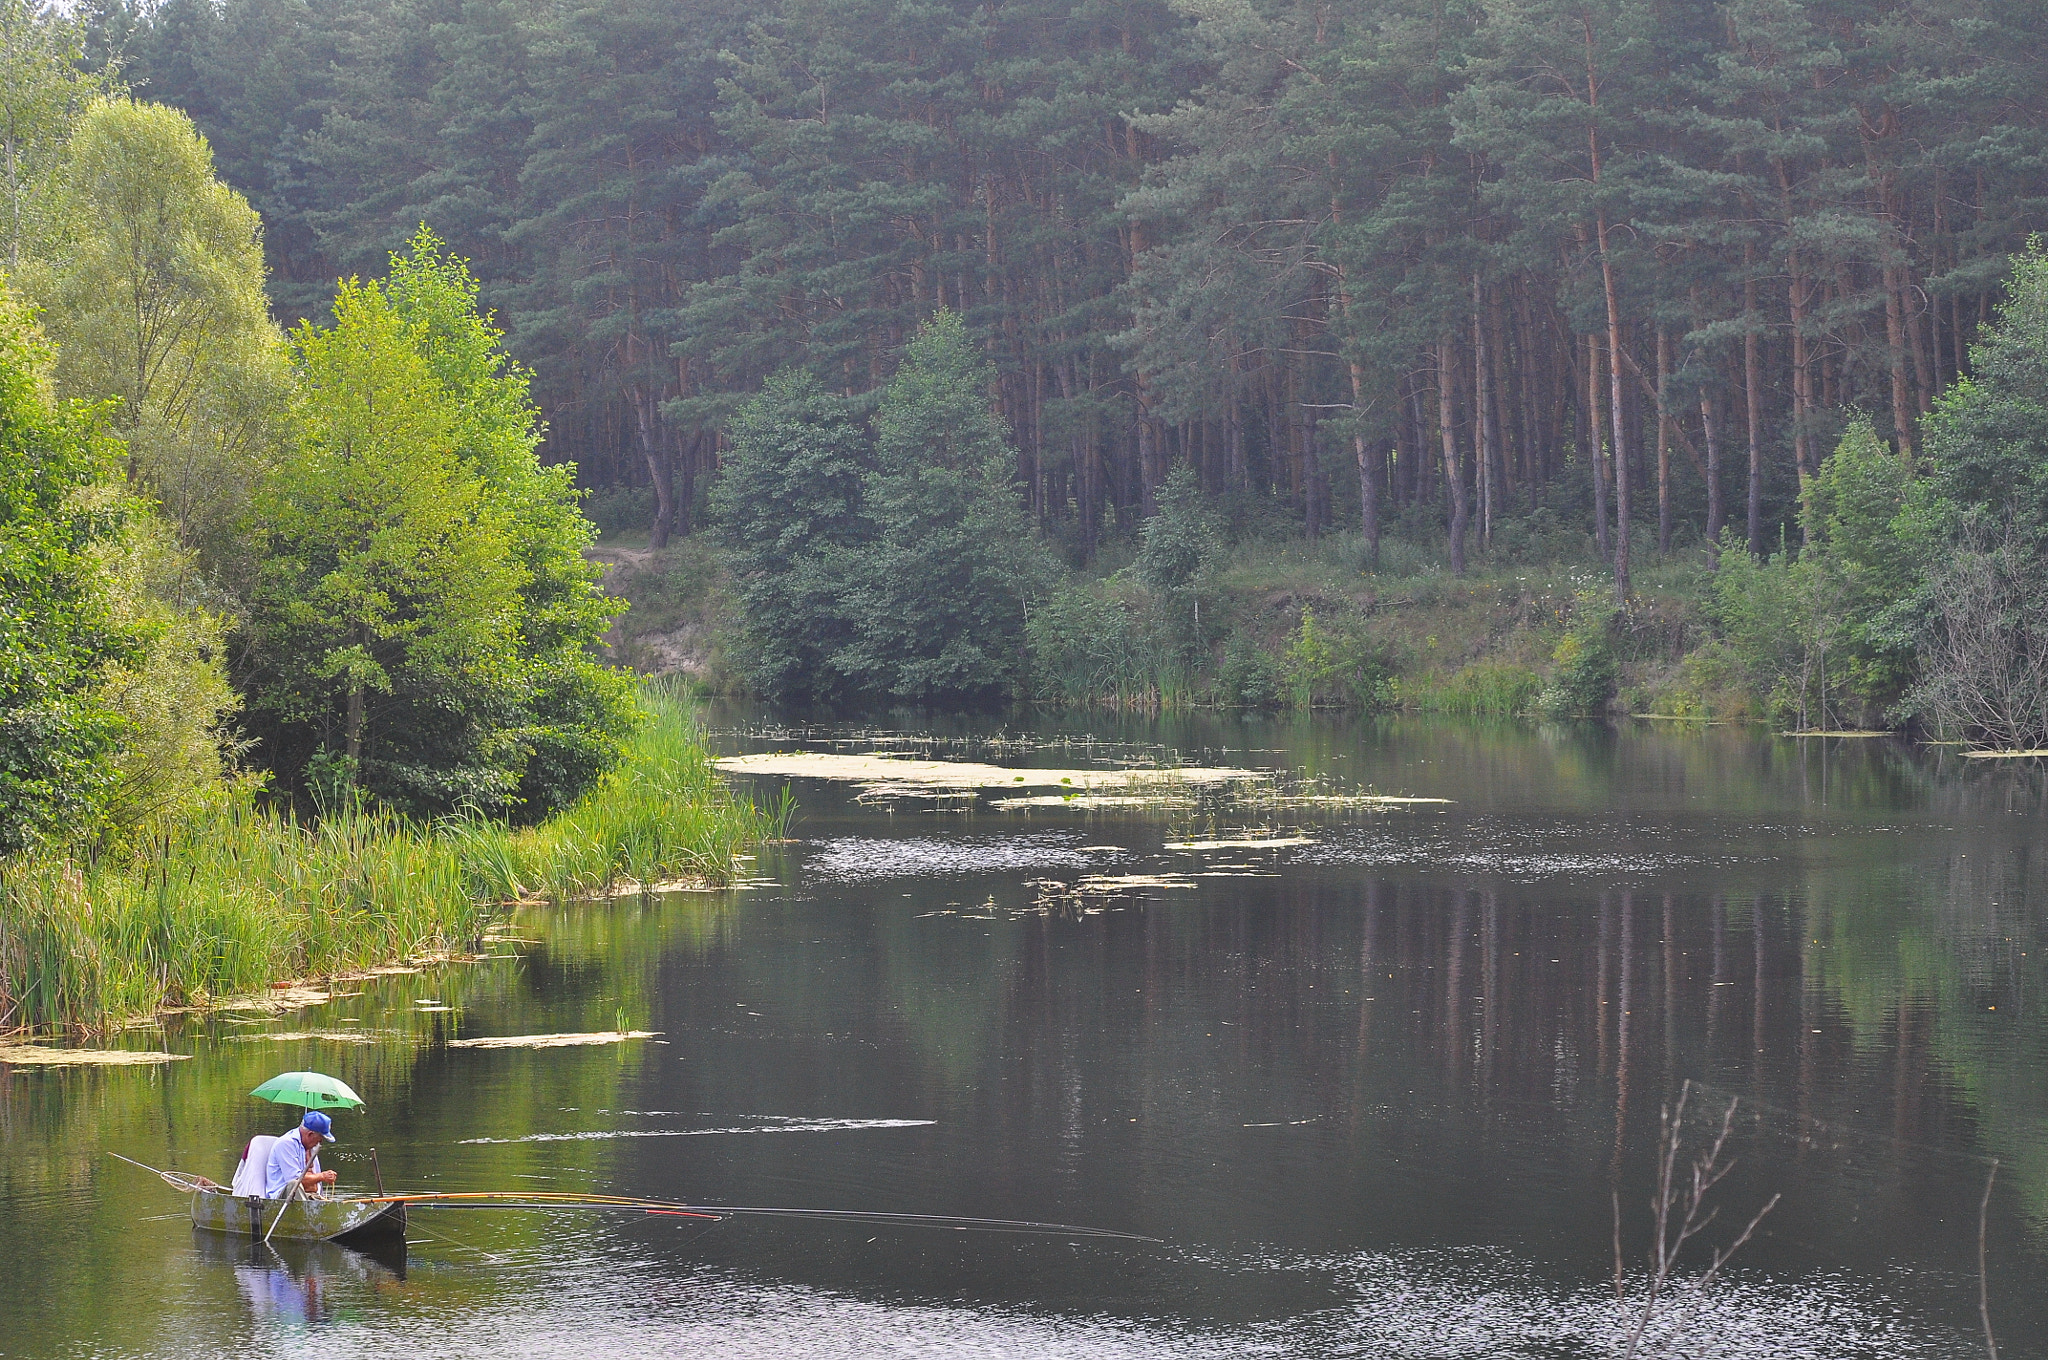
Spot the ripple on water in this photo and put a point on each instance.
(1426, 1305)
(855, 859)
(1524, 854)
(1481, 1303)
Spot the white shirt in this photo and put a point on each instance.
(289, 1160)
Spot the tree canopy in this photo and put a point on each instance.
(1379, 262)
(58, 634)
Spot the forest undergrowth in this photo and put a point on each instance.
(1286, 623)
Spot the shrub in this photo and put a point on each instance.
(1250, 677)
(1485, 689)
(1336, 667)
(1584, 665)
(1083, 646)
(618, 510)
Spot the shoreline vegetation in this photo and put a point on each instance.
(1910, 598)
(247, 895)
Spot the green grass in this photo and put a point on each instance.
(245, 895)
(1484, 689)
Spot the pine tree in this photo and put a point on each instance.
(938, 603)
(791, 516)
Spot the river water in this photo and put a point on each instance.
(1376, 1092)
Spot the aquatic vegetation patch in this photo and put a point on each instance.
(1088, 801)
(1245, 842)
(37, 1055)
(556, 1040)
(875, 768)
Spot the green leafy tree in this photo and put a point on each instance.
(575, 712)
(384, 628)
(58, 636)
(791, 516)
(1178, 545)
(43, 92)
(172, 691)
(1867, 515)
(939, 602)
(1983, 649)
(152, 285)
(1988, 438)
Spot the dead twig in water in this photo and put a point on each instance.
(1705, 1171)
(1983, 1274)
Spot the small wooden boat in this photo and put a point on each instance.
(351, 1222)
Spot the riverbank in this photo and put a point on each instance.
(1285, 623)
(245, 896)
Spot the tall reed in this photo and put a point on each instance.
(244, 894)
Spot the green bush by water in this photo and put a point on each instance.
(245, 894)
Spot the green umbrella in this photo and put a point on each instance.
(313, 1090)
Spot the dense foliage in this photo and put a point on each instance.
(421, 622)
(58, 737)
(334, 567)
(882, 559)
(1448, 269)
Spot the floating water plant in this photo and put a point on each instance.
(603, 1036)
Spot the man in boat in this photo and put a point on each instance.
(295, 1159)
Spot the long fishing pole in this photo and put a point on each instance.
(177, 1180)
(559, 1199)
(488, 1199)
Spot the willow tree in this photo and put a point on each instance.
(43, 91)
(151, 280)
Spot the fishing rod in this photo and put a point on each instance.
(177, 1180)
(716, 1213)
(488, 1199)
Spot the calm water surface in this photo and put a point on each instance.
(1377, 1093)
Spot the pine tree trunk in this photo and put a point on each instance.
(654, 448)
(1454, 472)
(1615, 393)
(1483, 440)
(1895, 341)
(1717, 510)
(1799, 293)
(1663, 441)
(1921, 340)
(1596, 447)
(1753, 396)
(1368, 475)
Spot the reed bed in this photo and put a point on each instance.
(246, 894)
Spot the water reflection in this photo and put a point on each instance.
(1377, 1090)
(290, 1287)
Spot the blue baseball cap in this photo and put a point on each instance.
(318, 1123)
